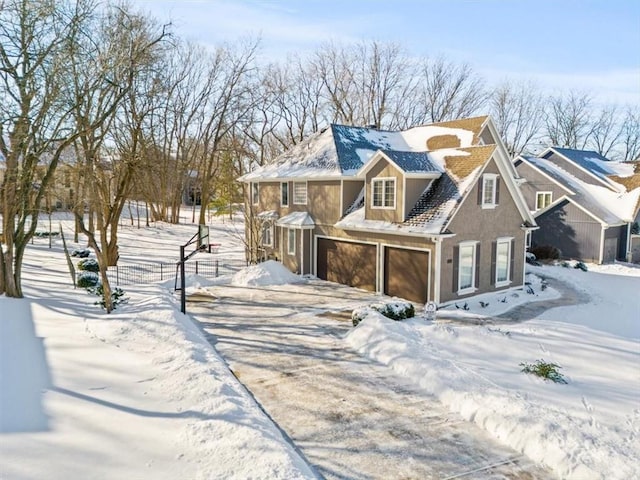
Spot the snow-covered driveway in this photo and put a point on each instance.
(349, 417)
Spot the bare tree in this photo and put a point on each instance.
(630, 135)
(516, 109)
(606, 131)
(568, 119)
(449, 90)
(35, 36)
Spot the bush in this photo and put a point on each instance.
(89, 265)
(117, 296)
(531, 259)
(542, 369)
(87, 279)
(81, 252)
(545, 252)
(581, 266)
(395, 310)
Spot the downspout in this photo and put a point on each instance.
(524, 259)
(301, 251)
(601, 255)
(436, 285)
(628, 250)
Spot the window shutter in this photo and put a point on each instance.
(494, 253)
(477, 279)
(497, 190)
(511, 260)
(456, 256)
(480, 186)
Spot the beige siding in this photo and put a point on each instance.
(384, 169)
(323, 202)
(473, 223)
(414, 188)
(350, 191)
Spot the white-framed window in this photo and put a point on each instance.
(467, 267)
(299, 193)
(383, 193)
(267, 234)
(543, 199)
(503, 261)
(291, 242)
(489, 190)
(255, 193)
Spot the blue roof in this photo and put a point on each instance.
(587, 159)
(349, 140)
(412, 161)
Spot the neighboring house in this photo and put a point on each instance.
(584, 204)
(430, 213)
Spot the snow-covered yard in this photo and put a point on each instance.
(141, 394)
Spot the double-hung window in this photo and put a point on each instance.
(383, 193)
(543, 200)
(291, 242)
(299, 193)
(489, 198)
(267, 234)
(503, 261)
(467, 267)
(284, 194)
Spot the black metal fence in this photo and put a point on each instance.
(140, 273)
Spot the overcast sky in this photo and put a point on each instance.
(583, 44)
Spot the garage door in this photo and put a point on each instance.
(349, 263)
(406, 273)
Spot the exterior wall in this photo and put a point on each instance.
(300, 261)
(350, 191)
(576, 234)
(487, 138)
(572, 169)
(536, 182)
(323, 202)
(473, 223)
(384, 169)
(382, 240)
(414, 188)
(635, 248)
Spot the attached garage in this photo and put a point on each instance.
(406, 273)
(349, 263)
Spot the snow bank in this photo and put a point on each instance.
(587, 429)
(266, 273)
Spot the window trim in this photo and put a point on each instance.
(291, 246)
(255, 193)
(544, 192)
(384, 181)
(306, 195)
(473, 287)
(267, 226)
(282, 191)
(507, 281)
(493, 177)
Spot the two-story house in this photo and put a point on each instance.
(584, 204)
(429, 213)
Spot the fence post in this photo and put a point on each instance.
(196, 267)
(161, 275)
(216, 268)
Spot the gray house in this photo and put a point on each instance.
(584, 204)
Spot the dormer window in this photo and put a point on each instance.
(489, 195)
(383, 193)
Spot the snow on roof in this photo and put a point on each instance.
(342, 150)
(296, 219)
(609, 206)
(597, 164)
(413, 162)
(438, 202)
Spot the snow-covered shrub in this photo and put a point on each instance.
(395, 310)
(81, 252)
(581, 266)
(545, 252)
(89, 265)
(117, 296)
(87, 279)
(546, 370)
